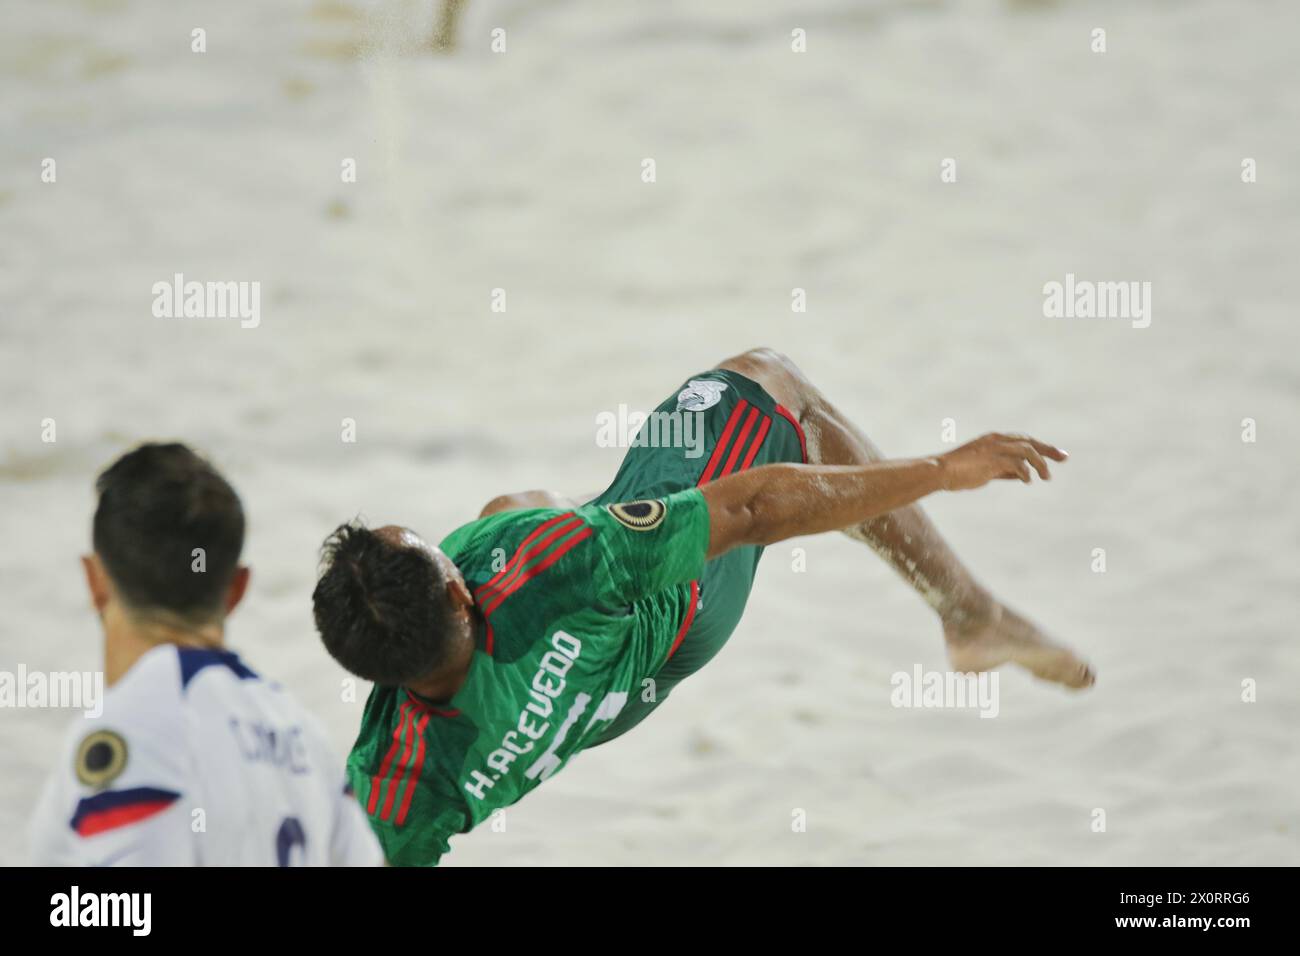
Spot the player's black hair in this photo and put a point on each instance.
(381, 608)
(157, 504)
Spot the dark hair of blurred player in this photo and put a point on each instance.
(168, 531)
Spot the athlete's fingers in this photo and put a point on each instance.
(1051, 451)
(1042, 447)
(1034, 458)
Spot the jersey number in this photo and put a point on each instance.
(287, 838)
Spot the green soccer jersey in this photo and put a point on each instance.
(578, 611)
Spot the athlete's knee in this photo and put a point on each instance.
(766, 358)
(520, 500)
(778, 374)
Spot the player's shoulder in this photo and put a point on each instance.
(485, 547)
(642, 525)
(503, 533)
(217, 680)
(491, 531)
(403, 771)
(142, 721)
(201, 667)
(575, 550)
(145, 704)
(145, 699)
(167, 676)
(404, 735)
(125, 758)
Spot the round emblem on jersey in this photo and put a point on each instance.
(639, 515)
(699, 394)
(101, 757)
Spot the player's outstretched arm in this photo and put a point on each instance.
(776, 502)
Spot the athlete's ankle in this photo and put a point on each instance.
(968, 611)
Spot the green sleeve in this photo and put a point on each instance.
(649, 546)
(424, 837)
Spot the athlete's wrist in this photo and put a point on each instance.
(936, 473)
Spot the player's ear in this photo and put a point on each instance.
(238, 587)
(96, 582)
(459, 596)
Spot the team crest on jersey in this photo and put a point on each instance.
(699, 394)
(101, 757)
(639, 515)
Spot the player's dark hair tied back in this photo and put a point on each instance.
(379, 607)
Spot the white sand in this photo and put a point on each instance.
(775, 171)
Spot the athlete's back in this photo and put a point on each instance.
(196, 760)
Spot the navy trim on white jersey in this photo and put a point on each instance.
(194, 659)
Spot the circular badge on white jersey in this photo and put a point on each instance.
(101, 757)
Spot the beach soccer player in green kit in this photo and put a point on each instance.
(546, 627)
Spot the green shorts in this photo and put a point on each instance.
(734, 425)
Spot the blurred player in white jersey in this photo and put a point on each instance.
(195, 760)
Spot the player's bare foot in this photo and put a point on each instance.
(444, 33)
(1002, 636)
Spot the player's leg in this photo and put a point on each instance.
(444, 34)
(712, 424)
(981, 632)
(519, 500)
(905, 538)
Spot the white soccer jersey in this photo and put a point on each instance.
(196, 761)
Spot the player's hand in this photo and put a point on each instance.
(994, 456)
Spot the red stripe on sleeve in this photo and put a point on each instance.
(502, 588)
(740, 441)
(789, 416)
(395, 784)
(542, 565)
(523, 545)
(758, 443)
(686, 621)
(104, 820)
(723, 440)
(415, 771)
(376, 782)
